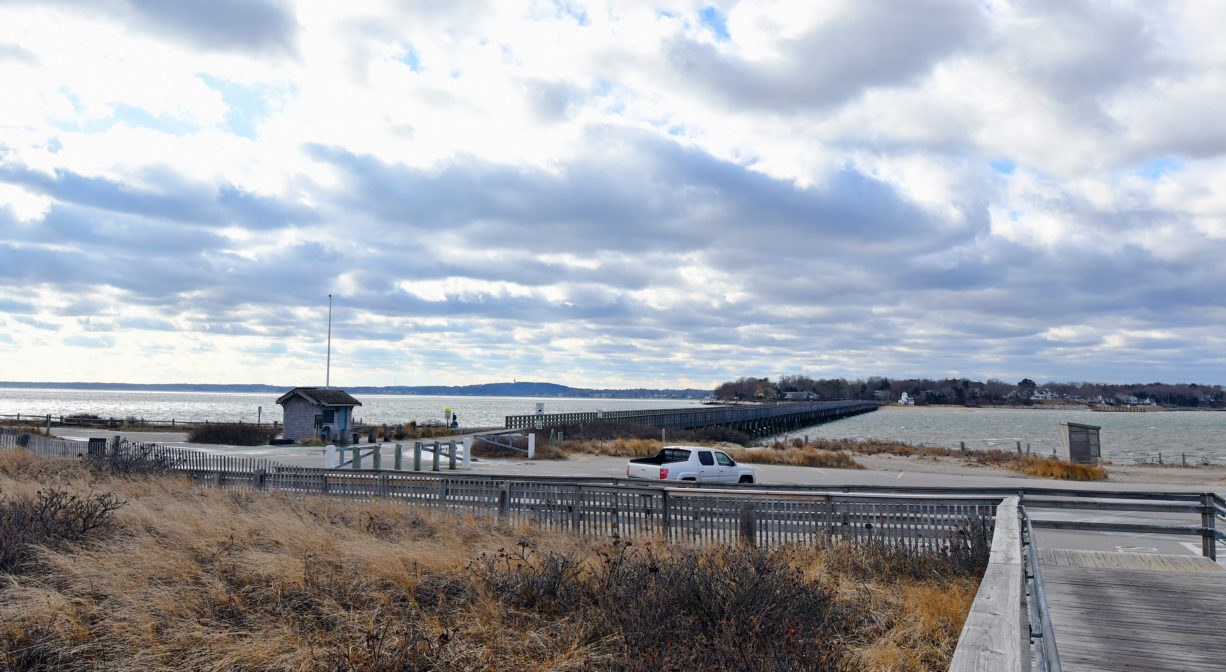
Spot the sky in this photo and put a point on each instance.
(611, 195)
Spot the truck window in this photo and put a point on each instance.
(705, 459)
(676, 455)
(724, 460)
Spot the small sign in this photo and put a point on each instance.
(540, 415)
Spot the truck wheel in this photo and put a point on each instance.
(746, 479)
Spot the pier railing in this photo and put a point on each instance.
(749, 417)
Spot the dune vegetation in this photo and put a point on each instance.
(635, 441)
(131, 571)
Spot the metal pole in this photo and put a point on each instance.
(328, 374)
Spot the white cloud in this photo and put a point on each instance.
(612, 194)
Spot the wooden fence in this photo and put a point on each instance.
(600, 507)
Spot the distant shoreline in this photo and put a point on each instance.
(514, 389)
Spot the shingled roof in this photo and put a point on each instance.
(325, 396)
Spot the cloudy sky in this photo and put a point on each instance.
(611, 195)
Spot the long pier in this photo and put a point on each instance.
(755, 420)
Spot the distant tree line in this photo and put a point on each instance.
(966, 392)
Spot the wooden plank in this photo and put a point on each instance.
(992, 638)
(1136, 619)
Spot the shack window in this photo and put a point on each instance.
(329, 416)
(705, 458)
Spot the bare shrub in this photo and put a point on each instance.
(51, 518)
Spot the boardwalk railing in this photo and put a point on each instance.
(1009, 624)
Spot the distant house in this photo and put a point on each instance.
(315, 411)
(905, 399)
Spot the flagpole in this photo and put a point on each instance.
(328, 375)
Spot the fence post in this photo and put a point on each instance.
(417, 456)
(504, 500)
(384, 488)
(531, 445)
(257, 479)
(442, 491)
(357, 455)
(576, 509)
(1208, 525)
(396, 460)
(434, 462)
(378, 456)
(451, 455)
(749, 525)
(468, 453)
(667, 515)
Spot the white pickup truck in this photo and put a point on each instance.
(690, 463)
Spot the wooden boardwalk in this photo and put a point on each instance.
(1131, 611)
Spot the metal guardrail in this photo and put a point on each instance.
(1042, 637)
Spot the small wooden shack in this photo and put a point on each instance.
(322, 412)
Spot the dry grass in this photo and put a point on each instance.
(194, 579)
(1031, 465)
(797, 457)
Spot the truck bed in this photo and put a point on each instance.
(666, 456)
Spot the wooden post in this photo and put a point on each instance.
(749, 525)
(531, 445)
(370, 435)
(451, 455)
(1208, 524)
(396, 460)
(667, 517)
(357, 456)
(504, 500)
(378, 456)
(468, 453)
(434, 461)
(417, 456)
(576, 509)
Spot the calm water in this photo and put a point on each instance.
(375, 408)
(1125, 437)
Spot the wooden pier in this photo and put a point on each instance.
(755, 419)
(1133, 611)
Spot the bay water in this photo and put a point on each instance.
(1125, 437)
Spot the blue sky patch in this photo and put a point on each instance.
(573, 10)
(1159, 167)
(248, 104)
(1003, 166)
(411, 59)
(712, 19)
